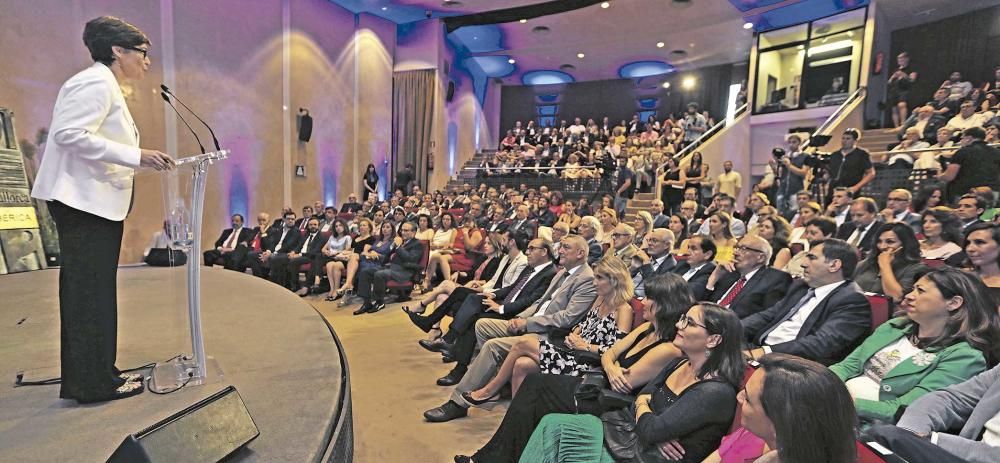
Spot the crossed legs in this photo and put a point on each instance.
(520, 362)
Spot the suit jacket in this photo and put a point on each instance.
(761, 291)
(547, 218)
(666, 267)
(570, 302)
(292, 241)
(350, 207)
(625, 254)
(92, 149)
(914, 221)
(315, 246)
(967, 405)
(699, 280)
(834, 328)
(508, 272)
(406, 258)
(246, 235)
(527, 227)
(661, 221)
(867, 241)
(533, 289)
(911, 378)
(594, 251)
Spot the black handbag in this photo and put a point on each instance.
(595, 389)
(621, 440)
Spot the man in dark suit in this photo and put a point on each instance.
(307, 213)
(231, 247)
(504, 303)
(747, 285)
(698, 266)
(969, 210)
(403, 264)
(660, 220)
(352, 205)
(285, 266)
(521, 222)
(823, 317)
(861, 230)
(279, 242)
(588, 230)
(654, 260)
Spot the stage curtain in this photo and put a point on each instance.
(412, 117)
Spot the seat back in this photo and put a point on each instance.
(796, 248)
(934, 263)
(346, 216)
(867, 455)
(637, 319)
(880, 310)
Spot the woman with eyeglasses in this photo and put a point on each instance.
(949, 329)
(690, 404)
(87, 176)
(628, 365)
(894, 263)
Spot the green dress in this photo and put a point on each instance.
(567, 439)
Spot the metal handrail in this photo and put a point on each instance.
(924, 150)
(821, 130)
(705, 136)
(588, 167)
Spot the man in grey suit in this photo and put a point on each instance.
(921, 435)
(564, 303)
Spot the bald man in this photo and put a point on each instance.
(747, 285)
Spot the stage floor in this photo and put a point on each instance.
(275, 348)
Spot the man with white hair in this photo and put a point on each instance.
(622, 243)
(660, 220)
(897, 209)
(588, 230)
(654, 260)
(746, 284)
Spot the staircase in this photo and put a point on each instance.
(641, 202)
(877, 140)
(463, 176)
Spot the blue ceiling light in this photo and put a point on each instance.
(644, 68)
(546, 78)
(478, 39)
(492, 66)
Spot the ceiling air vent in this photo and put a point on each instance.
(541, 29)
(567, 68)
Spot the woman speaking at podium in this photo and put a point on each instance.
(86, 177)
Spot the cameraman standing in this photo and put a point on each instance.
(850, 167)
(793, 173)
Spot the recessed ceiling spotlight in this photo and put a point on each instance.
(688, 83)
(385, 8)
(605, 4)
(748, 25)
(666, 85)
(540, 29)
(512, 61)
(522, 21)
(580, 55)
(451, 3)
(660, 44)
(567, 67)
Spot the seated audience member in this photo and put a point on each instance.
(654, 259)
(522, 223)
(371, 253)
(231, 246)
(562, 305)
(424, 230)
(691, 403)
(326, 222)
(792, 213)
(161, 252)
(661, 218)
(303, 223)
(608, 320)
(352, 205)
(678, 225)
(698, 266)
(442, 243)
(746, 285)
(643, 224)
(929, 196)
(942, 233)
(930, 159)
(898, 156)
(403, 264)
(279, 242)
(792, 410)
(893, 265)
(459, 257)
(487, 265)
(948, 331)
(967, 117)
(755, 202)
(543, 215)
(569, 215)
(622, 245)
(982, 246)
(736, 226)
(862, 231)
(924, 433)
(589, 228)
(840, 205)
(722, 235)
(969, 210)
(819, 228)
(629, 364)
(775, 230)
(285, 266)
(806, 213)
(337, 252)
(609, 220)
(822, 317)
(484, 263)
(975, 164)
(558, 232)
(897, 209)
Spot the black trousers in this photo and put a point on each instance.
(539, 395)
(88, 302)
(450, 304)
(285, 269)
(462, 330)
(371, 283)
(232, 260)
(260, 269)
(908, 446)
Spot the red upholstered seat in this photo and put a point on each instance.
(737, 418)
(867, 455)
(879, 308)
(934, 263)
(637, 319)
(405, 287)
(346, 216)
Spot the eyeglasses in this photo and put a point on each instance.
(620, 235)
(144, 52)
(687, 321)
(536, 248)
(896, 199)
(742, 248)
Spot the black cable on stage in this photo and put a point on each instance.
(19, 376)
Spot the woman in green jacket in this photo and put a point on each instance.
(950, 330)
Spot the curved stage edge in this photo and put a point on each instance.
(281, 355)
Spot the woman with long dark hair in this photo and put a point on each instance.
(370, 183)
(691, 403)
(949, 330)
(982, 247)
(929, 196)
(894, 263)
(87, 178)
(942, 232)
(695, 173)
(629, 364)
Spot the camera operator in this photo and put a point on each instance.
(850, 167)
(792, 173)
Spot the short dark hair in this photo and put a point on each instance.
(240, 216)
(853, 133)
(834, 249)
(100, 34)
(981, 202)
(693, 105)
(845, 190)
(951, 226)
(521, 240)
(330, 208)
(975, 132)
(289, 213)
(826, 225)
(707, 245)
(673, 297)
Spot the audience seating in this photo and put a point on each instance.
(880, 307)
(404, 288)
(934, 263)
(637, 319)
(867, 455)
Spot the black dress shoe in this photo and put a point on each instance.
(376, 307)
(436, 345)
(365, 308)
(448, 359)
(447, 412)
(463, 459)
(419, 321)
(129, 389)
(453, 377)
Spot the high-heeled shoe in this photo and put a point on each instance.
(334, 297)
(423, 308)
(468, 398)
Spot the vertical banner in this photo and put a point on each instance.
(21, 248)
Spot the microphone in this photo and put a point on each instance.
(212, 132)
(167, 99)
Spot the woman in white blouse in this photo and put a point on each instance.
(338, 249)
(942, 232)
(442, 242)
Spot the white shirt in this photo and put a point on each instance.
(690, 273)
(866, 385)
(535, 272)
(841, 216)
(508, 277)
(788, 330)
(859, 233)
(746, 277)
(960, 123)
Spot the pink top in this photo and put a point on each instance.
(741, 446)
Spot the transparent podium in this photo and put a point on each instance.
(184, 208)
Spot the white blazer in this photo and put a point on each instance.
(92, 149)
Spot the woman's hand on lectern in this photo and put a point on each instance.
(156, 159)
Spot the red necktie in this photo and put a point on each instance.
(733, 292)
